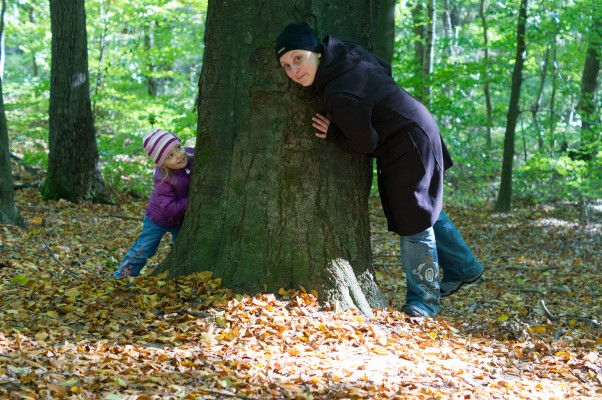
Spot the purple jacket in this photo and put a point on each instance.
(169, 200)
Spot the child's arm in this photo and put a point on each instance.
(168, 201)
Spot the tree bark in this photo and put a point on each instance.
(8, 211)
(486, 78)
(73, 172)
(271, 206)
(504, 200)
(103, 10)
(537, 103)
(552, 116)
(448, 30)
(384, 27)
(588, 108)
(149, 44)
(424, 19)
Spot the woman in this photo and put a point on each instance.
(367, 113)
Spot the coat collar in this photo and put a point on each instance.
(338, 58)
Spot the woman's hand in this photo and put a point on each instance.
(321, 123)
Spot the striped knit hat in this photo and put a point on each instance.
(158, 143)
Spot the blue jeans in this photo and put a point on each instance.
(145, 247)
(455, 257)
(423, 253)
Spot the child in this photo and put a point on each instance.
(168, 203)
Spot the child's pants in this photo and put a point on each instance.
(145, 247)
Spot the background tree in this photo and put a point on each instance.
(124, 111)
(384, 40)
(270, 206)
(73, 172)
(425, 17)
(486, 79)
(504, 200)
(8, 211)
(589, 108)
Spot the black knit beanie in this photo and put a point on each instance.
(297, 37)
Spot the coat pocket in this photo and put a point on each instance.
(405, 170)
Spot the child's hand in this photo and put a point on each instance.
(321, 123)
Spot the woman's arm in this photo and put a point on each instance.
(348, 125)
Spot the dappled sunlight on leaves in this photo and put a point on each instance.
(69, 330)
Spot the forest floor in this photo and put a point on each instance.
(69, 330)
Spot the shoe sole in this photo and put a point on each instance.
(412, 314)
(468, 282)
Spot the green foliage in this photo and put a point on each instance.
(134, 42)
(129, 43)
(553, 178)
(555, 40)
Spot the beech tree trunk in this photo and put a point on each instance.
(73, 172)
(270, 205)
(424, 19)
(504, 200)
(589, 104)
(486, 78)
(537, 103)
(8, 211)
(384, 38)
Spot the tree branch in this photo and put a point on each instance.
(57, 260)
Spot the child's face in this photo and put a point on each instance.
(177, 158)
(300, 66)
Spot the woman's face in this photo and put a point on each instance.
(301, 66)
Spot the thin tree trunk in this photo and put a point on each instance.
(588, 107)
(537, 103)
(101, 47)
(448, 29)
(552, 117)
(486, 79)
(424, 18)
(8, 211)
(270, 206)
(33, 56)
(149, 43)
(504, 200)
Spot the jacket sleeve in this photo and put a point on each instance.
(350, 124)
(167, 199)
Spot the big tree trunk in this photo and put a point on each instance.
(270, 205)
(504, 200)
(73, 172)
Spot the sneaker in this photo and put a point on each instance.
(451, 287)
(412, 310)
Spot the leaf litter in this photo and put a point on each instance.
(528, 330)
